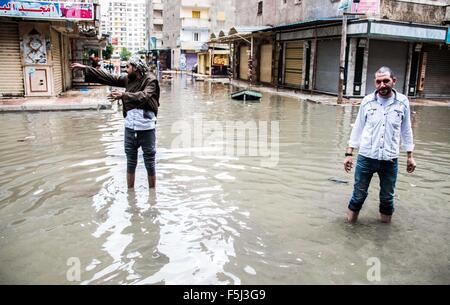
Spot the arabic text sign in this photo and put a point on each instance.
(46, 10)
(369, 7)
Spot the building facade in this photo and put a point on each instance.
(40, 40)
(305, 54)
(127, 25)
(188, 25)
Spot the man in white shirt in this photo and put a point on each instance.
(383, 118)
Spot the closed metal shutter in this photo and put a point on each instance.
(391, 54)
(293, 64)
(243, 63)
(11, 76)
(56, 61)
(327, 70)
(265, 70)
(437, 73)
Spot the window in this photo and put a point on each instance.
(196, 14)
(195, 36)
(260, 8)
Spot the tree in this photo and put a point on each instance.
(125, 54)
(108, 51)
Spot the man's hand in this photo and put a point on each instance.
(116, 94)
(348, 163)
(410, 164)
(76, 65)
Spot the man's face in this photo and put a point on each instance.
(384, 83)
(131, 71)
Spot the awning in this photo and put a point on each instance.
(238, 33)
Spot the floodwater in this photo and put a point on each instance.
(217, 216)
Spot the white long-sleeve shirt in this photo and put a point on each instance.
(139, 119)
(379, 126)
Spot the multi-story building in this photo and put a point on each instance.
(155, 24)
(127, 25)
(188, 25)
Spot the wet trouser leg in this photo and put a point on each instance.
(388, 177)
(131, 151)
(365, 168)
(147, 140)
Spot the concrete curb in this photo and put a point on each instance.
(54, 107)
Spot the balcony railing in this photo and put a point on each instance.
(196, 3)
(191, 45)
(158, 21)
(195, 23)
(158, 6)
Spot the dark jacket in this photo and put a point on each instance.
(141, 93)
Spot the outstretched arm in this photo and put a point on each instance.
(100, 76)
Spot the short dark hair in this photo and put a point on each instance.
(384, 70)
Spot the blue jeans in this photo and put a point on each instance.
(387, 172)
(140, 138)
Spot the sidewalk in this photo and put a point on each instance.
(84, 98)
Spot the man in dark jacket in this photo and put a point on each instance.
(140, 108)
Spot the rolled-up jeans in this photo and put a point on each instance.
(387, 172)
(140, 138)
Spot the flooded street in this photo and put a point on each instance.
(215, 217)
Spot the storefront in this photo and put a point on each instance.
(213, 62)
(392, 54)
(436, 66)
(11, 78)
(265, 63)
(293, 64)
(244, 55)
(327, 67)
(35, 46)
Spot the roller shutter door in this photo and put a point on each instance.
(265, 71)
(387, 53)
(11, 76)
(293, 64)
(243, 63)
(437, 73)
(327, 71)
(56, 60)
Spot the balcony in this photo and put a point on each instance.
(158, 6)
(191, 45)
(158, 21)
(157, 35)
(196, 3)
(195, 23)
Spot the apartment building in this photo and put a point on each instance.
(127, 24)
(188, 25)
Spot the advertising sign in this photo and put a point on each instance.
(368, 7)
(47, 10)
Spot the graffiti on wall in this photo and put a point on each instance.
(34, 49)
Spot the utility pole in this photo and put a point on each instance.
(342, 58)
(343, 49)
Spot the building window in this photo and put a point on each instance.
(196, 14)
(195, 36)
(260, 8)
